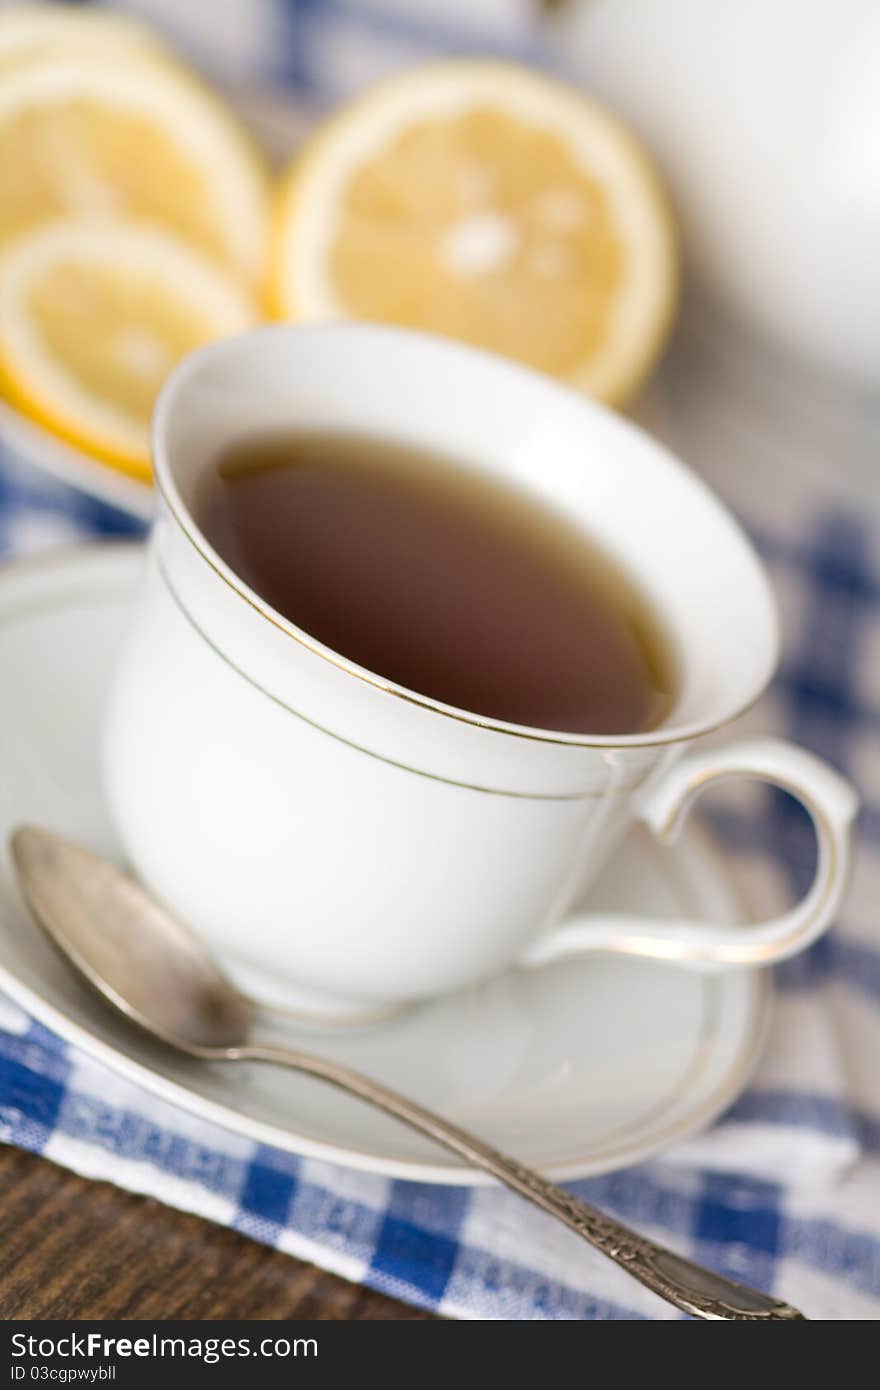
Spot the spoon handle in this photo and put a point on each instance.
(686, 1285)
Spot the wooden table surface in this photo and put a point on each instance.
(76, 1249)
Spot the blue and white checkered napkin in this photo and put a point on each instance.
(785, 1190)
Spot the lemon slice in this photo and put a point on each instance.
(32, 31)
(92, 319)
(129, 136)
(490, 203)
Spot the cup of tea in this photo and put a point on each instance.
(420, 636)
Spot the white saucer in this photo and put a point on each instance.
(39, 448)
(576, 1069)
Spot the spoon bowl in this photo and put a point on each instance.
(143, 961)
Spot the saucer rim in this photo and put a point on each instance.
(699, 844)
(234, 1121)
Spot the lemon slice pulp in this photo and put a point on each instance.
(129, 137)
(488, 203)
(92, 319)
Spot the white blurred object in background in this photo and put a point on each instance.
(765, 117)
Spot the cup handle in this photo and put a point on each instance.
(832, 804)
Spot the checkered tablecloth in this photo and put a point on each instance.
(785, 1190)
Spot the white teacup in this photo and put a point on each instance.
(347, 845)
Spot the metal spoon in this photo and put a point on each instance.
(157, 973)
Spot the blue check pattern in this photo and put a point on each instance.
(784, 1191)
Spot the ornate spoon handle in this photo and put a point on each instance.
(686, 1285)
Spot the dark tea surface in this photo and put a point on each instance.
(440, 580)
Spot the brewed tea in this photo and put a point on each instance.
(441, 580)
